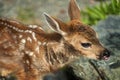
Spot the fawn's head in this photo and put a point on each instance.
(80, 36)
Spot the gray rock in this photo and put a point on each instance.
(109, 34)
(84, 69)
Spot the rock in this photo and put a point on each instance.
(109, 34)
(84, 69)
(92, 70)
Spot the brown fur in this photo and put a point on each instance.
(29, 53)
(27, 62)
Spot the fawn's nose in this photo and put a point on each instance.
(105, 54)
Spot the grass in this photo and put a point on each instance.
(91, 15)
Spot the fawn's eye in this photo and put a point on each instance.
(86, 45)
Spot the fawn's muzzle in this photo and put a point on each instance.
(105, 54)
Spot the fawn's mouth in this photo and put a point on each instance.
(105, 57)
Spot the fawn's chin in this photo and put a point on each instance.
(103, 58)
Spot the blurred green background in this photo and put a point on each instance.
(30, 11)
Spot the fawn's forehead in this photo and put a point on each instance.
(76, 27)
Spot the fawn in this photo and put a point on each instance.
(28, 52)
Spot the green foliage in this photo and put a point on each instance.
(92, 15)
(25, 14)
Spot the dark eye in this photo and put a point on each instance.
(86, 45)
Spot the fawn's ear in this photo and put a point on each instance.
(73, 10)
(55, 24)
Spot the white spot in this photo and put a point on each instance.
(36, 26)
(34, 56)
(33, 26)
(20, 36)
(37, 49)
(29, 39)
(27, 52)
(10, 26)
(30, 26)
(15, 22)
(41, 28)
(27, 31)
(44, 43)
(23, 41)
(31, 53)
(39, 43)
(13, 27)
(34, 37)
(27, 61)
(19, 30)
(72, 56)
(22, 45)
(30, 31)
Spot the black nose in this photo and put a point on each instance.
(106, 53)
